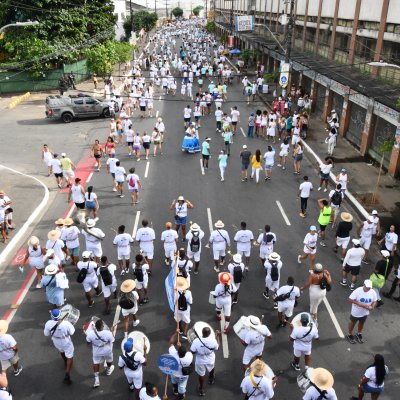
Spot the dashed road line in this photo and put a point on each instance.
(146, 172)
(285, 217)
(333, 318)
(201, 167)
(241, 129)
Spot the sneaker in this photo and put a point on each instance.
(122, 272)
(96, 383)
(343, 282)
(121, 196)
(216, 269)
(136, 323)
(243, 180)
(67, 379)
(275, 305)
(266, 295)
(221, 263)
(295, 366)
(211, 380)
(352, 286)
(302, 215)
(319, 189)
(379, 303)
(350, 338)
(359, 338)
(283, 167)
(218, 317)
(279, 165)
(325, 190)
(335, 249)
(365, 262)
(234, 301)
(98, 294)
(299, 259)
(201, 393)
(91, 304)
(226, 330)
(145, 301)
(184, 336)
(322, 244)
(38, 286)
(114, 190)
(18, 371)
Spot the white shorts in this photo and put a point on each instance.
(365, 242)
(183, 316)
(123, 255)
(68, 173)
(299, 353)
(342, 242)
(195, 256)
(225, 306)
(335, 210)
(288, 311)
(217, 254)
(270, 284)
(169, 252)
(149, 253)
(244, 253)
(295, 139)
(248, 355)
(97, 251)
(135, 378)
(130, 311)
(142, 285)
(265, 251)
(283, 154)
(109, 290)
(202, 369)
(90, 283)
(308, 251)
(67, 349)
(97, 359)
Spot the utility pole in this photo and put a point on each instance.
(130, 10)
(206, 11)
(231, 19)
(166, 9)
(289, 31)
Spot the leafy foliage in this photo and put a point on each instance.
(398, 103)
(196, 10)
(177, 12)
(210, 26)
(141, 19)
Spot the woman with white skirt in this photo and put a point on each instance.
(319, 278)
(35, 254)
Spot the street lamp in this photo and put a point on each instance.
(26, 23)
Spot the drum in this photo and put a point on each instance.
(211, 298)
(303, 380)
(296, 320)
(70, 314)
(139, 339)
(268, 371)
(90, 325)
(197, 330)
(241, 327)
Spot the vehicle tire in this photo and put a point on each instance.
(106, 113)
(67, 117)
(116, 107)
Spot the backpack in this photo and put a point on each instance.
(237, 273)
(130, 361)
(336, 198)
(195, 243)
(268, 238)
(132, 182)
(249, 90)
(138, 272)
(182, 270)
(182, 302)
(106, 276)
(324, 284)
(126, 301)
(81, 275)
(274, 271)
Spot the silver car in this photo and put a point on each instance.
(67, 108)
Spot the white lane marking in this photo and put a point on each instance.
(224, 337)
(157, 114)
(285, 217)
(201, 167)
(70, 212)
(89, 177)
(29, 222)
(210, 225)
(135, 225)
(242, 132)
(146, 172)
(333, 318)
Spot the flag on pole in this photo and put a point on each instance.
(170, 282)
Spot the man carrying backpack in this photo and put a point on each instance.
(266, 240)
(286, 297)
(146, 236)
(272, 275)
(183, 265)
(106, 272)
(194, 237)
(140, 270)
(128, 302)
(219, 239)
(236, 269)
(335, 197)
(243, 239)
(183, 301)
(132, 362)
(88, 277)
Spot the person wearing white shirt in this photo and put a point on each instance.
(302, 337)
(324, 173)
(310, 247)
(120, 175)
(150, 392)
(91, 281)
(305, 189)
(283, 154)
(322, 382)
(60, 332)
(111, 166)
(390, 241)
(55, 243)
(377, 223)
(145, 236)
(8, 349)
(273, 266)
(184, 301)
(109, 286)
(187, 112)
(362, 300)
(204, 347)
(219, 240)
(268, 158)
(93, 237)
(243, 239)
(235, 116)
(102, 348)
(286, 297)
(254, 340)
(169, 237)
(140, 272)
(57, 170)
(194, 238)
(70, 236)
(352, 263)
(256, 386)
(218, 119)
(123, 242)
(236, 268)
(77, 193)
(365, 232)
(223, 297)
(266, 240)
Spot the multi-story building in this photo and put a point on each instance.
(333, 42)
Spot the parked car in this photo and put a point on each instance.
(67, 108)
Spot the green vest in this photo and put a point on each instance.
(325, 216)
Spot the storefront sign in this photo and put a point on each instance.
(245, 23)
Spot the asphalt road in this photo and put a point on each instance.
(232, 201)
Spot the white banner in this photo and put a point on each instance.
(245, 23)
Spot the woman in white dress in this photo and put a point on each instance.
(34, 254)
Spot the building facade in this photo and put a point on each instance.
(333, 43)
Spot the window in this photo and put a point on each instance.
(91, 101)
(365, 47)
(78, 102)
(342, 41)
(310, 35)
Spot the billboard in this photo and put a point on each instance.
(244, 23)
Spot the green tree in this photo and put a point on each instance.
(398, 103)
(141, 19)
(210, 26)
(102, 58)
(177, 12)
(196, 10)
(123, 53)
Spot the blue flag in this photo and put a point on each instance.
(170, 288)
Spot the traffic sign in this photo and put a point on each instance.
(284, 76)
(168, 364)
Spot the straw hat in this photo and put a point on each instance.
(225, 278)
(274, 256)
(33, 241)
(181, 198)
(90, 223)
(3, 327)
(253, 321)
(127, 286)
(347, 217)
(258, 367)
(2, 192)
(51, 269)
(54, 235)
(195, 228)
(68, 221)
(322, 378)
(181, 283)
(219, 224)
(60, 221)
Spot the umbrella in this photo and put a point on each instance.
(235, 51)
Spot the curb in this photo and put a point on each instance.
(18, 100)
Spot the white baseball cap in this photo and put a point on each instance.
(245, 146)
(368, 283)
